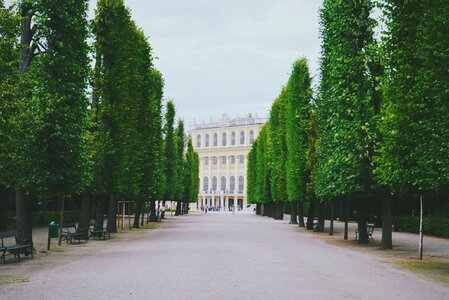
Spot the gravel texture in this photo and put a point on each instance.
(217, 256)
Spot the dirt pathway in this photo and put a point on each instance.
(219, 256)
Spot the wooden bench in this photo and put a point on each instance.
(99, 232)
(369, 231)
(15, 249)
(70, 233)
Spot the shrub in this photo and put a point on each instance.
(433, 225)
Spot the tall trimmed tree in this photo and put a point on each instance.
(346, 132)
(299, 97)
(414, 155)
(181, 168)
(279, 153)
(170, 154)
(60, 160)
(9, 76)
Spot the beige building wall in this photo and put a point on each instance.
(223, 151)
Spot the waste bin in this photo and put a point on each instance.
(53, 230)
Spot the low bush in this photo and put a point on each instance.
(433, 225)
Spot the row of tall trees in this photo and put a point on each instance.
(377, 129)
(56, 144)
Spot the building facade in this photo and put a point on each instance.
(223, 150)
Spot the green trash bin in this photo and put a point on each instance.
(53, 229)
(53, 232)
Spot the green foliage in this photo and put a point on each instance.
(9, 106)
(181, 163)
(278, 148)
(127, 151)
(432, 224)
(415, 124)
(59, 160)
(345, 112)
(191, 175)
(170, 153)
(251, 174)
(299, 97)
(263, 165)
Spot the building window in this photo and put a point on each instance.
(232, 157)
(215, 140)
(251, 136)
(223, 139)
(223, 160)
(241, 184)
(223, 183)
(232, 138)
(214, 160)
(198, 141)
(241, 159)
(242, 137)
(206, 160)
(214, 183)
(207, 141)
(205, 184)
(232, 184)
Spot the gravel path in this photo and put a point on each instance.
(224, 256)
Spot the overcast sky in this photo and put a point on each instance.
(229, 56)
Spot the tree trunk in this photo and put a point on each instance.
(346, 217)
(387, 220)
(301, 214)
(112, 214)
(153, 215)
(99, 216)
(83, 225)
(4, 208)
(311, 215)
(279, 214)
(137, 213)
(293, 213)
(258, 209)
(142, 209)
(322, 217)
(61, 219)
(361, 221)
(264, 210)
(331, 227)
(178, 208)
(24, 219)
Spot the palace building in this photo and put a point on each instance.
(223, 150)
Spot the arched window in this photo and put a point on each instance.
(207, 141)
(215, 140)
(223, 183)
(206, 160)
(241, 159)
(223, 139)
(232, 138)
(251, 136)
(241, 184)
(223, 160)
(242, 137)
(205, 184)
(232, 184)
(198, 141)
(214, 183)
